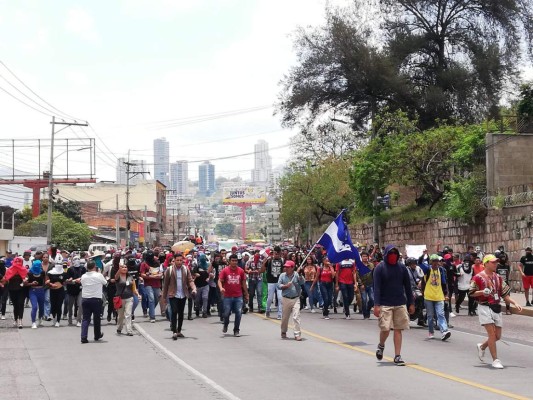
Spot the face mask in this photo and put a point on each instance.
(392, 258)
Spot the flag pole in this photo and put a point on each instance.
(312, 248)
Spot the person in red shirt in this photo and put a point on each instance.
(151, 272)
(326, 277)
(232, 286)
(346, 281)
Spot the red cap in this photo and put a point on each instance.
(289, 264)
(234, 248)
(447, 256)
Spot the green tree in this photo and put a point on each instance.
(23, 216)
(318, 191)
(225, 229)
(457, 54)
(66, 233)
(525, 104)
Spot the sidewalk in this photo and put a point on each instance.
(520, 299)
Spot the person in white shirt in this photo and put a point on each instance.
(92, 284)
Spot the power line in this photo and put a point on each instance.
(35, 94)
(26, 104)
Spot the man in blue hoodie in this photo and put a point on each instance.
(392, 292)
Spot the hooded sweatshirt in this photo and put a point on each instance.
(392, 286)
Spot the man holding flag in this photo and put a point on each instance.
(339, 247)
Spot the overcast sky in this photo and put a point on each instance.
(126, 65)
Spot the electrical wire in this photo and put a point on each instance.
(35, 94)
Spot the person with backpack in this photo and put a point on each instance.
(435, 294)
(290, 284)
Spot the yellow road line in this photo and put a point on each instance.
(413, 366)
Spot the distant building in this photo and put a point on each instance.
(179, 178)
(161, 160)
(206, 179)
(137, 166)
(262, 172)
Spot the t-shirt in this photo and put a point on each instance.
(345, 273)
(153, 282)
(57, 278)
(36, 278)
(478, 268)
(326, 274)
(309, 273)
(253, 270)
(433, 290)
(202, 280)
(274, 268)
(232, 281)
(527, 262)
(503, 270)
(500, 289)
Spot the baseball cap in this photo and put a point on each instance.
(434, 257)
(289, 264)
(489, 258)
(233, 248)
(528, 248)
(447, 256)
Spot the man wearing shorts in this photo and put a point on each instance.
(489, 288)
(392, 289)
(526, 270)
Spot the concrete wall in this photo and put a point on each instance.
(509, 161)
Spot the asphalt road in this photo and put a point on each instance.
(335, 360)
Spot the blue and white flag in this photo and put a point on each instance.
(338, 244)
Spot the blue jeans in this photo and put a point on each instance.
(255, 287)
(233, 304)
(153, 299)
(436, 308)
(326, 288)
(144, 301)
(367, 296)
(347, 290)
(37, 301)
(272, 288)
(310, 294)
(47, 306)
(135, 304)
(91, 308)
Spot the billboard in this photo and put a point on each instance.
(244, 194)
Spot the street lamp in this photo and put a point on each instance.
(50, 184)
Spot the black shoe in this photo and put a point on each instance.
(204, 315)
(119, 332)
(99, 337)
(175, 336)
(398, 361)
(528, 304)
(379, 352)
(197, 313)
(245, 310)
(334, 310)
(133, 317)
(225, 329)
(83, 341)
(190, 318)
(108, 318)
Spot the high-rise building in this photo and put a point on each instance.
(135, 166)
(161, 160)
(179, 177)
(206, 179)
(262, 172)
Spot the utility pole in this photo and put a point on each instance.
(51, 174)
(117, 225)
(145, 231)
(128, 165)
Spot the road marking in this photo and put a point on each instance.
(413, 366)
(180, 362)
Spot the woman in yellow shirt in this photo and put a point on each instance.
(435, 293)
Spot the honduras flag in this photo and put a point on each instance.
(338, 244)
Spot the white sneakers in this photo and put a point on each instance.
(480, 352)
(431, 336)
(56, 324)
(3, 317)
(497, 364)
(313, 310)
(78, 324)
(452, 315)
(34, 326)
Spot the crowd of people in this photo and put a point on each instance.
(80, 287)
